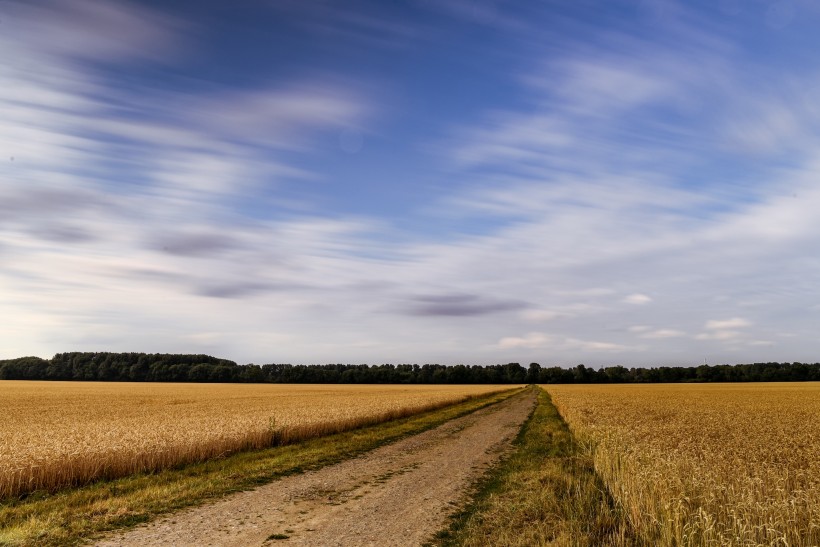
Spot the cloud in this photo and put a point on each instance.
(63, 233)
(278, 116)
(724, 329)
(102, 205)
(238, 289)
(461, 305)
(637, 299)
(661, 334)
(723, 335)
(535, 340)
(540, 315)
(19, 204)
(94, 29)
(532, 340)
(610, 85)
(484, 12)
(721, 324)
(195, 244)
(596, 347)
(157, 217)
(373, 27)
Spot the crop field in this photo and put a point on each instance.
(713, 464)
(57, 434)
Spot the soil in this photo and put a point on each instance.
(398, 494)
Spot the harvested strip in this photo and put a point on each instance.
(400, 494)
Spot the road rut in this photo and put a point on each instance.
(398, 494)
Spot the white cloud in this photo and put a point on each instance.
(609, 85)
(637, 299)
(723, 335)
(603, 347)
(93, 29)
(535, 340)
(733, 323)
(532, 340)
(662, 334)
(277, 117)
(540, 315)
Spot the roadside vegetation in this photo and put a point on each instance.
(69, 516)
(545, 493)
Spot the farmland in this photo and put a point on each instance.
(719, 464)
(57, 434)
(638, 464)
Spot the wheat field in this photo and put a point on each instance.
(58, 434)
(706, 464)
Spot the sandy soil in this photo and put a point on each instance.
(399, 494)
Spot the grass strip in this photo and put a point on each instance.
(70, 516)
(545, 493)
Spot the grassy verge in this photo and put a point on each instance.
(69, 516)
(545, 493)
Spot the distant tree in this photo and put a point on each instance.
(533, 373)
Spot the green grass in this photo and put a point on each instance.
(70, 516)
(545, 493)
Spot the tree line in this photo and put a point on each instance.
(157, 367)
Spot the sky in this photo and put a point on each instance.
(460, 181)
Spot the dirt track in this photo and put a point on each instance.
(399, 494)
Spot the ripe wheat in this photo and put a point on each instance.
(714, 464)
(59, 434)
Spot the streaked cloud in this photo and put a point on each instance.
(660, 334)
(532, 340)
(461, 305)
(600, 195)
(93, 29)
(540, 315)
(637, 299)
(725, 324)
(724, 335)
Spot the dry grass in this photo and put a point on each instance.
(60, 434)
(715, 464)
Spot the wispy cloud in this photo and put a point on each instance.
(353, 22)
(92, 30)
(461, 305)
(661, 334)
(724, 324)
(637, 299)
(638, 197)
(533, 340)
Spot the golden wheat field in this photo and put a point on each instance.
(713, 464)
(56, 434)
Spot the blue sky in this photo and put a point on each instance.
(465, 181)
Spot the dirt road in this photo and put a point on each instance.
(399, 494)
